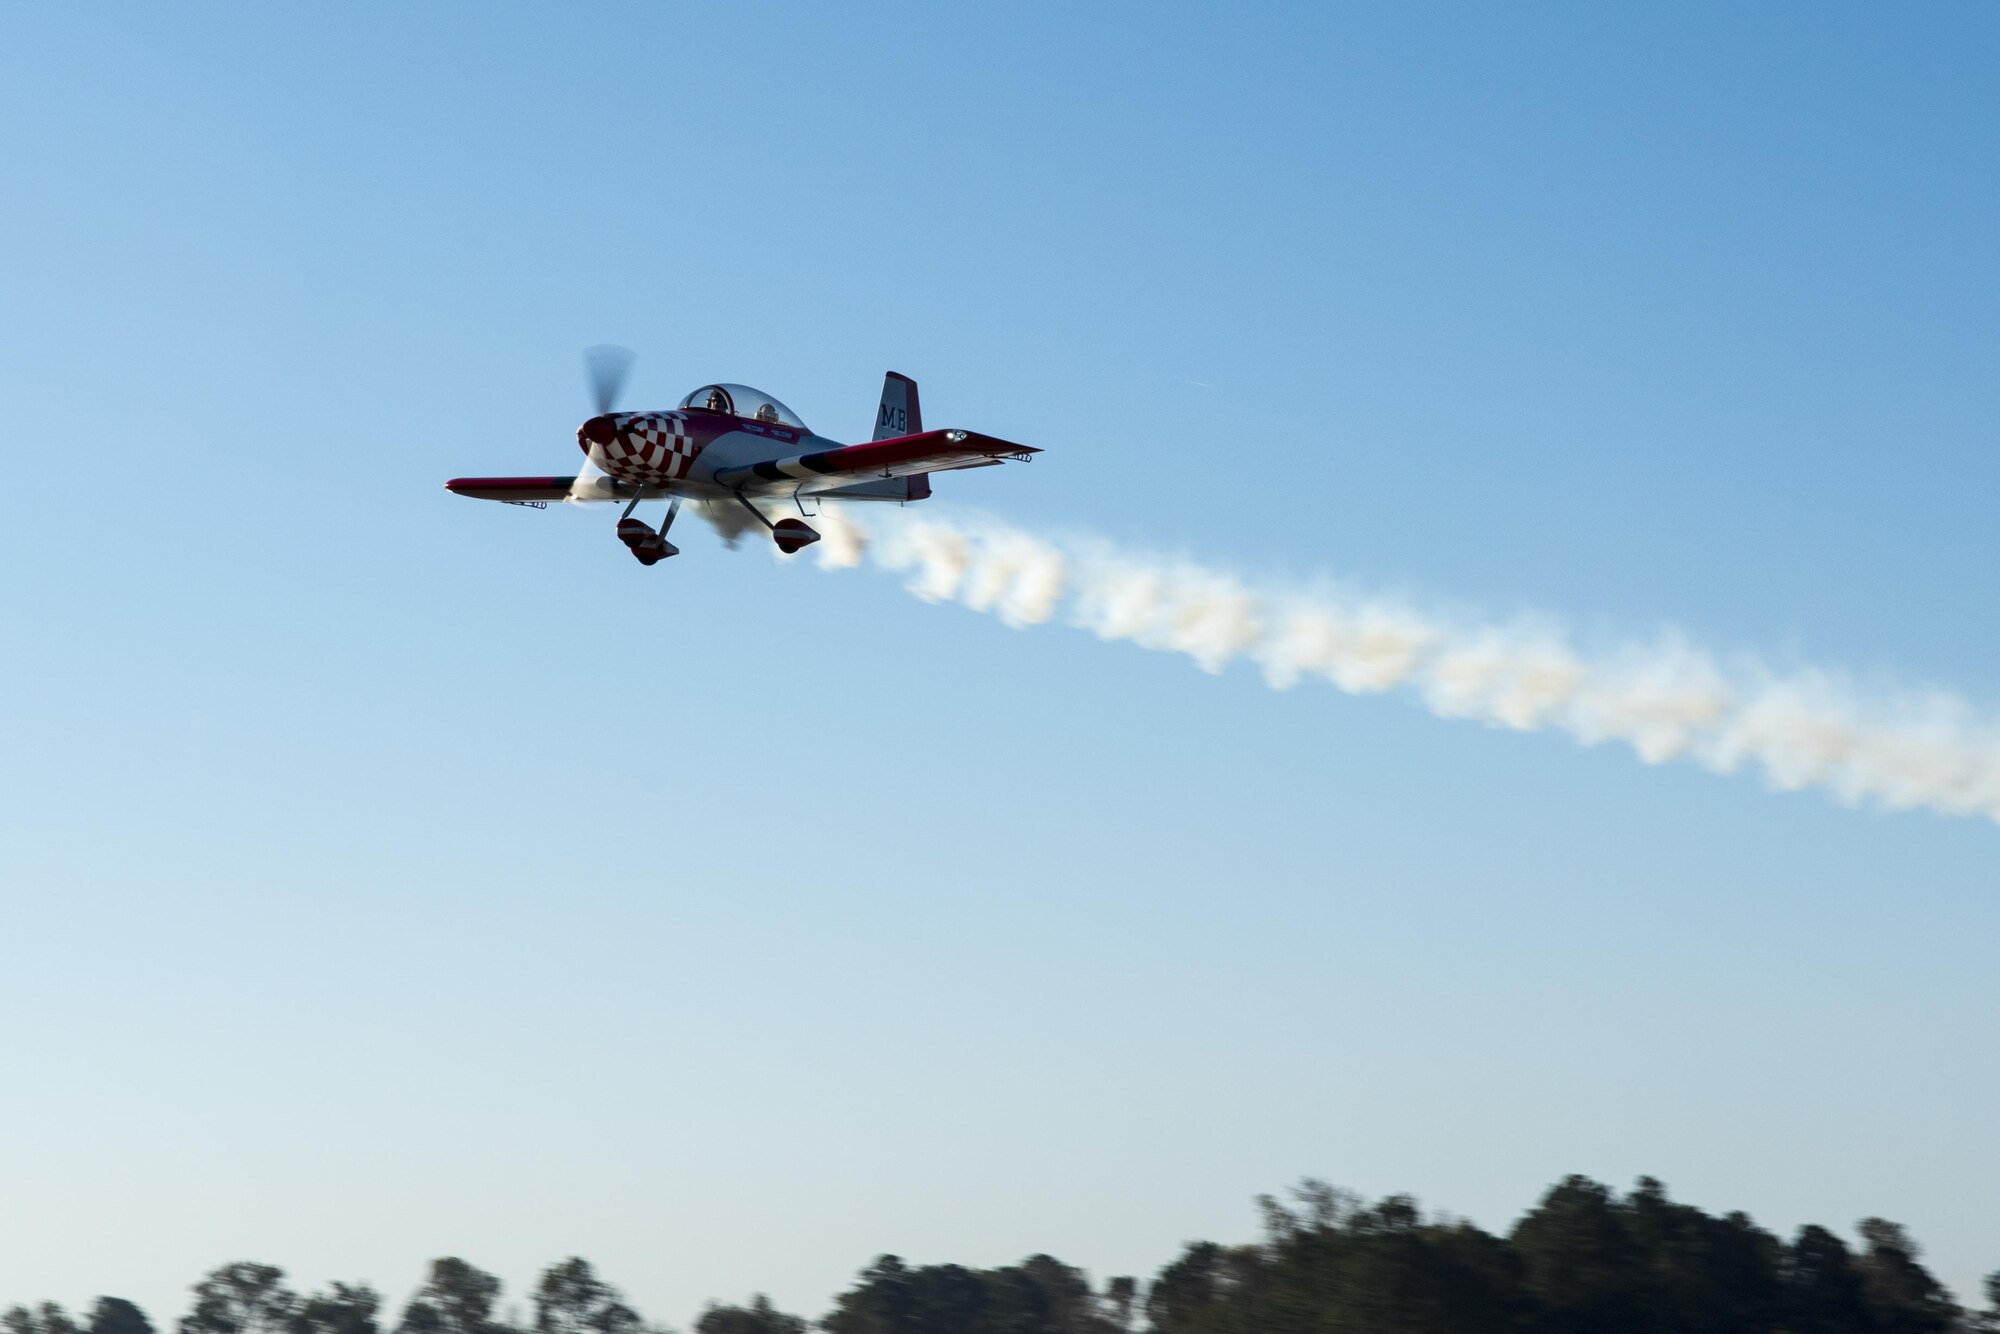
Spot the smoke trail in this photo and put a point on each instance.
(1666, 699)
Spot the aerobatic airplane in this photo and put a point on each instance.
(728, 446)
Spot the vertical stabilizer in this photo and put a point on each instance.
(899, 413)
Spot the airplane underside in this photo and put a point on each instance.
(730, 512)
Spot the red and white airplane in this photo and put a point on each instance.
(729, 446)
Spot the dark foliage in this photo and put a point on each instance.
(1903, 1296)
(1584, 1260)
(115, 1315)
(345, 1308)
(47, 1318)
(455, 1299)
(571, 1299)
(759, 1317)
(1041, 1295)
(1988, 1321)
(242, 1298)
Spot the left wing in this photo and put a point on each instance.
(513, 490)
(898, 456)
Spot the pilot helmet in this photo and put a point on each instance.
(766, 413)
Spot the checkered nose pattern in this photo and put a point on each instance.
(639, 446)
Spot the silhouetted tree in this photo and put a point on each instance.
(1333, 1263)
(571, 1299)
(1041, 1295)
(1701, 1274)
(1822, 1288)
(241, 1298)
(1988, 1321)
(880, 1303)
(45, 1318)
(1900, 1291)
(115, 1315)
(1121, 1297)
(342, 1309)
(1582, 1266)
(935, 1299)
(759, 1317)
(1063, 1297)
(456, 1298)
(1582, 1261)
(1185, 1290)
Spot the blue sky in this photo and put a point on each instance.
(389, 875)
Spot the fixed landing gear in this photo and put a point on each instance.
(647, 546)
(789, 534)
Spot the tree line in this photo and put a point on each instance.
(1585, 1260)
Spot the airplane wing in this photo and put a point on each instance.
(898, 456)
(513, 490)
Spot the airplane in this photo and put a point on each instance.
(729, 446)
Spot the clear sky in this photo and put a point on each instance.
(388, 875)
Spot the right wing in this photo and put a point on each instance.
(899, 456)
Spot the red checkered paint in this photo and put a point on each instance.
(650, 447)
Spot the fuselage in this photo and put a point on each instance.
(683, 449)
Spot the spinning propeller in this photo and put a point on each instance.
(605, 366)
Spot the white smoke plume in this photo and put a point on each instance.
(1666, 699)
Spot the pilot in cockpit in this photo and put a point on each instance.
(767, 413)
(718, 401)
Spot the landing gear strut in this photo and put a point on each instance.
(649, 547)
(789, 534)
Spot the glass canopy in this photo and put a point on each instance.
(740, 400)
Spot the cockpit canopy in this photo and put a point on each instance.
(740, 400)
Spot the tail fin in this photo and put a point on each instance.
(899, 413)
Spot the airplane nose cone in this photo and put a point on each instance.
(599, 430)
